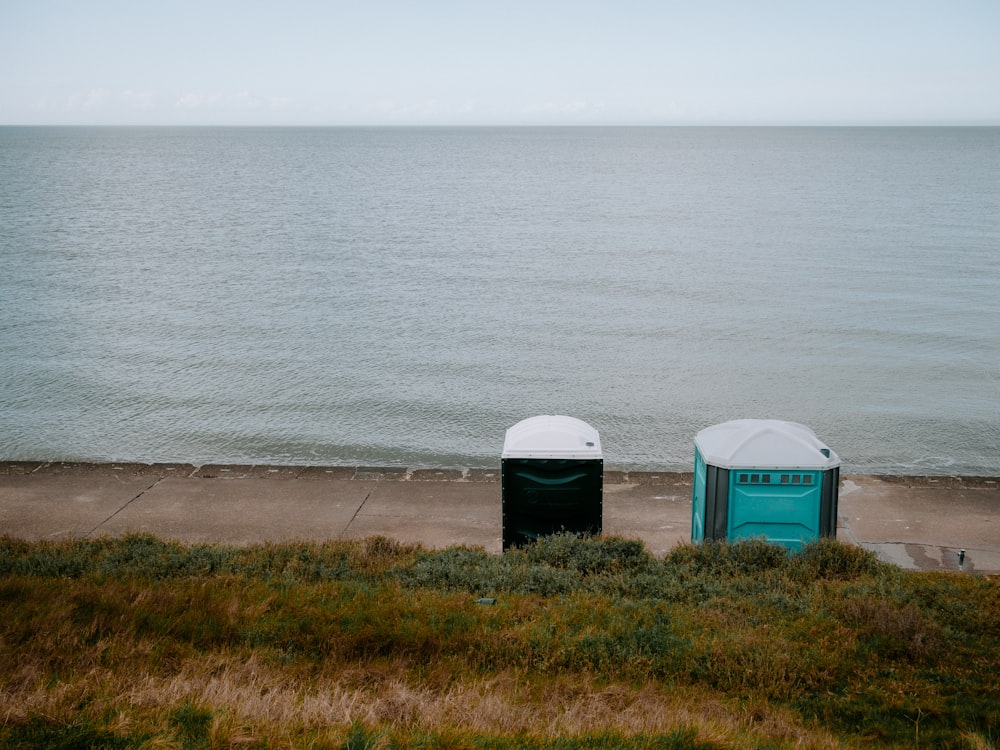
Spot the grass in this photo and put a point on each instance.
(572, 643)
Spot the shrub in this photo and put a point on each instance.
(829, 559)
(589, 555)
(453, 569)
(722, 559)
(892, 631)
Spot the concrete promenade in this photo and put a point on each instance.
(918, 523)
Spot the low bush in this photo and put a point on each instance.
(579, 642)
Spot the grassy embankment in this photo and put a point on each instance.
(589, 643)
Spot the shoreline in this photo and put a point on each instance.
(417, 474)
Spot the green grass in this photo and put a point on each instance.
(137, 642)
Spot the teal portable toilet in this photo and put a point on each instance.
(552, 479)
(763, 478)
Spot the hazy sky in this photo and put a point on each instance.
(484, 62)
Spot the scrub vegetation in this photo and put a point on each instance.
(571, 643)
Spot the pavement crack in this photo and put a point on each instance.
(106, 520)
(356, 512)
(848, 531)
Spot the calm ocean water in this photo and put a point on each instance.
(402, 296)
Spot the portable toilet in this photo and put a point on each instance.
(552, 479)
(763, 478)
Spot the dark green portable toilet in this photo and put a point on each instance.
(552, 479)
(764, 478)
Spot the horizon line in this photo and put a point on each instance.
(388, 125)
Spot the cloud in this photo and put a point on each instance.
(139, 99)
(101, 99)
(197, 101)
(88, 100)
(241, 100)
(567, 107)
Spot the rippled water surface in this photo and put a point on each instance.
(402, 296)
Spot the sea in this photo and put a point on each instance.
(402, 296)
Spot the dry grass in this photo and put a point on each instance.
(254, 701)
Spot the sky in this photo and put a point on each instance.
(517, 62)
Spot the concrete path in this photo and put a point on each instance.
(916, 523)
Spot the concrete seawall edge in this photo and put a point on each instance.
(416, 474)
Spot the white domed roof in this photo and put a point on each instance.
(764, 443)
(552, 436)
